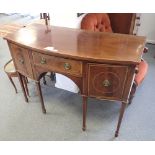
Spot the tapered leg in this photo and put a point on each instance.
(22, 85)
(26, 80)
(52, 75)
(84, 112)
(25, 85)
(12, 83)
(40, 96)
(120, 118)
(44, 80)
(132, 93)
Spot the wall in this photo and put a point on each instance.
(65, 19)
(147, 27)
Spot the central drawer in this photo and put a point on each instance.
(58, 64)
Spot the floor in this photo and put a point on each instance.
(63, 121)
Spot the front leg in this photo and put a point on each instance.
(84, 112)
(120, 118)
(22, 86)
(41, 97)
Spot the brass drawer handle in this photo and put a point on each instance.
(43, 61)
(106, 83)
(67, 66)
(21, 61)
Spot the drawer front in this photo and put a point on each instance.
(22, 60)
(57, 64)
(107, 81)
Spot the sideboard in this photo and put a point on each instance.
(102, 65)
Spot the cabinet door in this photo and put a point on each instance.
(21, 59)
(107, 81)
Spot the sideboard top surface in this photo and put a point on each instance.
(81, 44)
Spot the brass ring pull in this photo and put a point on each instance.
(106, 83)
(21, 61)
(43, 61)
(67, 66)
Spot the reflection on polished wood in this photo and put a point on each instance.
(101, 64)
(6, 29)
(82, 44)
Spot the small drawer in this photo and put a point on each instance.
(107, 81)
(57, 64)
(21, 59)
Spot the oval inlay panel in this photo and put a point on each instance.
(110, 77)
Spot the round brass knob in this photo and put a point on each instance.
(67, 66)
(43, 61)
(21, 61)
(106, 83)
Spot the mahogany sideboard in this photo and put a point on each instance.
(103, 65)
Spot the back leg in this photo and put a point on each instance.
(12, 83)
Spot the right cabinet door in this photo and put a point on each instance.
(107, 81)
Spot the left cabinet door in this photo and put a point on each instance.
(22, 60)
